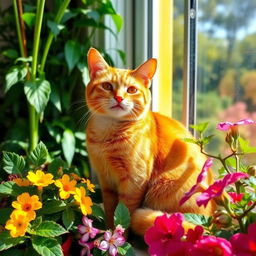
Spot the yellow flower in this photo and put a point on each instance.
(89, 185)
(84, 201)
(27, 204)
(40, 179)
(66, 186)
(17, 224)
(22, 182)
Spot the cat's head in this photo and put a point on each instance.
(118, 93)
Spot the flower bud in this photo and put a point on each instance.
(252, 171)
(221, 218)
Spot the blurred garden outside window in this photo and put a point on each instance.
(226, 63)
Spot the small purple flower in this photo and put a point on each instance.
(208, 163)
(225, 126)
(87, 249)
(111, 242)
(217, 188)
(87, 230)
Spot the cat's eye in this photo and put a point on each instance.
(107, 86)
(132, 90)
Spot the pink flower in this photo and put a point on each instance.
(211, 246)
(87, 230)
(195, 234)
(235, 198)
(217, 188)
(164, 238)
(245, 244)
(119, 230)
(87, 249)
(225, 126)
(111, 242)
(208, 163)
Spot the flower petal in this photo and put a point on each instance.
(104, 245)
(112, 250)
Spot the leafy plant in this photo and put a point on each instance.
(48, 73)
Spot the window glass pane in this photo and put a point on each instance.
(178, 50)
(226, 63)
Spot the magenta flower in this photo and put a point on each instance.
(208, 163)
(164, 238)
(111, 242)
(87, 230)
(87, 248)
(245, 244)
(217, 188)
(225, 126)
(235, 197)
(194, 234)
(211, 246)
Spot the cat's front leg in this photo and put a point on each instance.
(132, 195)
(110, 201)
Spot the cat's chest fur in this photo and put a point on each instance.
(119, 149)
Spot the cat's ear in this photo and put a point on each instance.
(146, 71)
(95, 62)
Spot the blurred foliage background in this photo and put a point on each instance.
(57, 91)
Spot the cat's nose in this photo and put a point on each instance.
(118, 98)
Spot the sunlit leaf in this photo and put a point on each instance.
(68, 145)
(29, 18)
(72, 53)
(38, 94)
(13, 163)
(16, 74)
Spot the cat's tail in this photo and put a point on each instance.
(143, 218)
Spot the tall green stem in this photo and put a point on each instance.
(17, 21)
(57, 19)
(33, 116)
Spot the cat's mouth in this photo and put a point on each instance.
(117, 106)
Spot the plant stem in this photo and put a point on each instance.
(17, 21)
(57, 19)
(33, 116)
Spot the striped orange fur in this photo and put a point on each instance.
(139, 156)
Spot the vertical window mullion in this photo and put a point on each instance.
(190, 63)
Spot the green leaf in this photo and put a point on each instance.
(46, 246)
(38, 94)
(126, 249)
(35, 223)
(55, 99)
(197, 219)
(55, 165)
(245, 147)
(200, 127)
(68, 217)
(5, 215)
(13, 163)
(39, 155)
(55, 27)
(122, 216)
(85, 73)
(189, 140)
(29, 18)
(49, 229)
(68, 15)
(6, 241)
(68, 143)
(15, 75)
(53, 206)
(10, 53)
(224, 234)
(72, 53)
(122, 55)
(207, 139)
(118, 20)
(23, 59)
(10, 188)
(98, 212)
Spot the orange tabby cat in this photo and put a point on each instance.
(139, 156)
